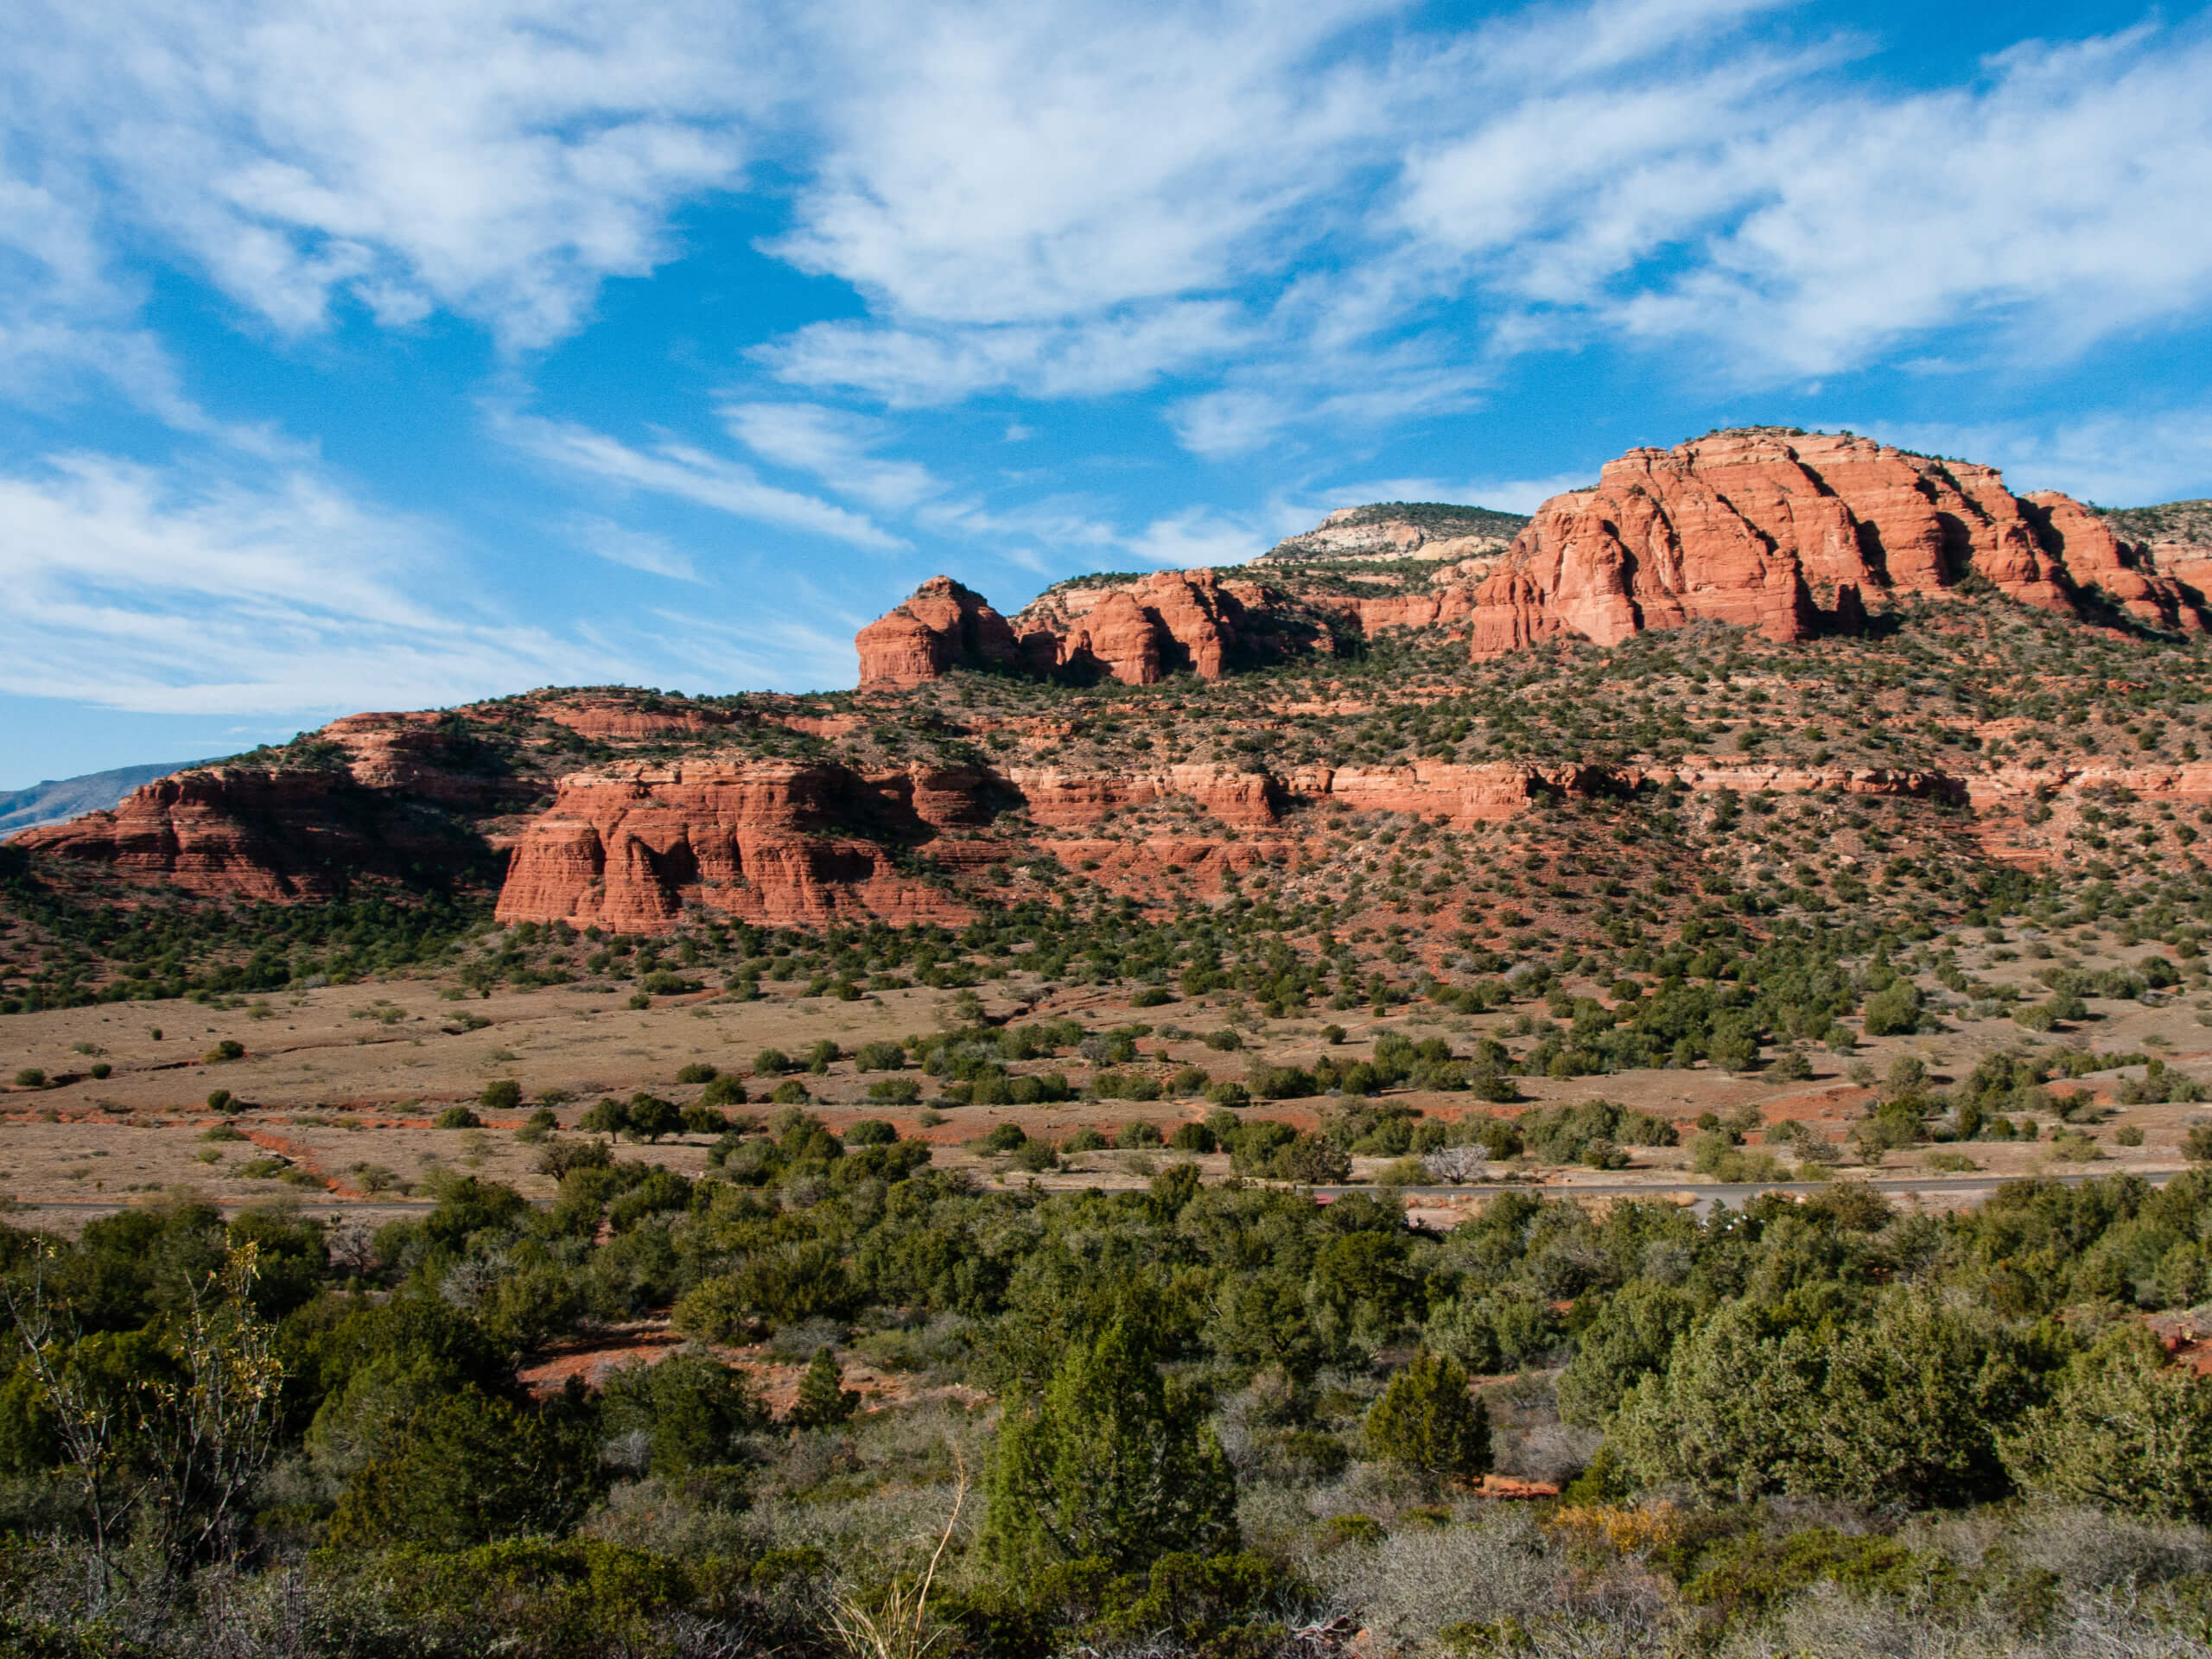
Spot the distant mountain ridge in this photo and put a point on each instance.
(1402, 530)
(60, 798)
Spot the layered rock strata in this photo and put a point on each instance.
(1141, 630)
(398, 796)
(1786, 533)
(767, 842)
(1398, 530)
(941, 627)
(262, 835)
(783, 844)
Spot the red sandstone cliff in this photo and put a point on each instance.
(1773, 529)
(782, 843)
(943, 627)
(770, 841)
(1782, 532)
(1141, 629)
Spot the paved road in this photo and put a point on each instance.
(1704, 1194)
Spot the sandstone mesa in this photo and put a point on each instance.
(1787, 534)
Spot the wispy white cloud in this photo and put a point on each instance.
(689, 473)
(1635, 170)
(917, 364)
(1197, 536)
(776, 649)
(498, 158)
(1085, 200)
(130, 588)
(639, 549)
(835, 446)
(998, 162)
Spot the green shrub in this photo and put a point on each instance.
(880, 1057)
(824, 1400)
(609, 1117)
(770, 1063)
(1109, 1461)
(1004, 1137)
(1894, 1012)
(2126, 1429)
(651, 1117)
(722, 1091)
(894, 1092)
(870, 1132)
(1280, 1082)
(503, 1095)
(1426, 1421)
(1193, 1137)
(790, 1092)
(459, 1117)
(30, 1077)
(697, 1071)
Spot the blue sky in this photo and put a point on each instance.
(395, 353)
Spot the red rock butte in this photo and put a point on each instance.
(1789, 533)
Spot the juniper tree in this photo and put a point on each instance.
(1427, 1421)
(824, 1400)
(1111, 1462)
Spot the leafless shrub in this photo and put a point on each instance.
(1501, 1568)
(1457, 1163)
(1555, 1452)
(2093, 1550)
(1825, 1622)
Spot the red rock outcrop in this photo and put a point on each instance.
(784, 843)
(1141, 631)
(258, 834)
(2092, 557)
(770, 842)
(1062, 799)
(943, 627)
(602, 717)
(1771, 529)
(397, 797)
(213, 833)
